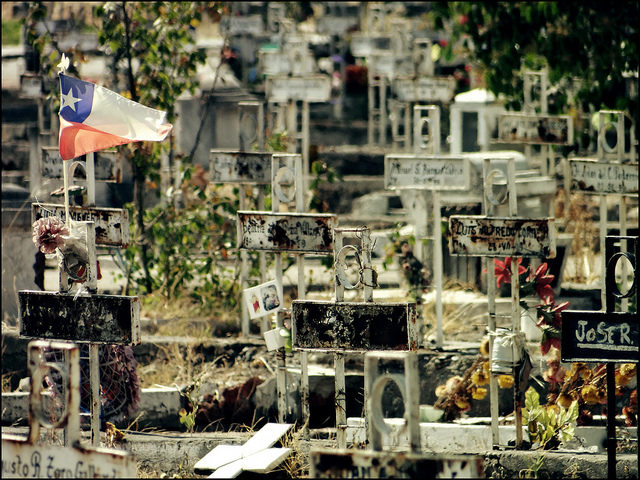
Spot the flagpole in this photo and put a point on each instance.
(65, 175)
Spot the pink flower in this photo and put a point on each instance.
(463, 19)
(503, 270)
(49, 233)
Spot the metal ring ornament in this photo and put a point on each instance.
(248, 127)
(284, 177)
(603, 137)
(425, 140)
(341, 266)
(38, 374)
(375, 399)
(612, 287)
(488, 189)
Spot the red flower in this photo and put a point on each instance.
(550, 314)
(542, 282)
(463, 19)
(503, 270)
(550, 338)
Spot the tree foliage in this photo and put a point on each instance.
(594, 41)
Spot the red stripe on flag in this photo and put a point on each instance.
(76, 139)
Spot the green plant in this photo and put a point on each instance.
(188, 418)
(548, 425)
(532, 471)
(11, 32)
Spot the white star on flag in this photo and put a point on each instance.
(68, 100)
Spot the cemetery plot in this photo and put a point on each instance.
(535, 129)
(354, 325)
(477, 235)
(291, 232)
(21, 459)
(84, 319)
(592, 176)
(107, 165)
(312, 88)
(427, 89)
(437, 172)
(111, 224)
(599, 336)
(240, 167)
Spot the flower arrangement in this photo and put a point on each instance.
(579, 389)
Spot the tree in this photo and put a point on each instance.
(153, 60)
(594, 41)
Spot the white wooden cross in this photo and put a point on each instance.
(491, 237)
(614, 171)
(256, 455)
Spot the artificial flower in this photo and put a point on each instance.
(505, 381)
(503, 270)
(478, 393)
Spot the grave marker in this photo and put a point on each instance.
(535, 129)
(107, 165)
(285, 232)
(311, 88)
(424, 89)
(429, 172)
(613, 172)
(607, 336)
(492, 237)
(88, 317)
(373, 462)
(338, 326)
(111, 224)
(256, 455)
(592, 176)
(27, 458)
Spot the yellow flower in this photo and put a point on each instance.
(478, 393)
(484, 347)
(486, 368)
(590, 394)
(441, 391)
(628, 369)
(505, 381)
(462, 403)
(479, 378)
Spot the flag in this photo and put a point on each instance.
(93, 118)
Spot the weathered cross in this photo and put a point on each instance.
(607, 336)
(28, 458)
(83, 318)
(279, 232)
(491, 237)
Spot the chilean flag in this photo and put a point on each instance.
(93, 118)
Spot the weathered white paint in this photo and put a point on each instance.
(592, 176)
(312, 88)
(427, 172)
